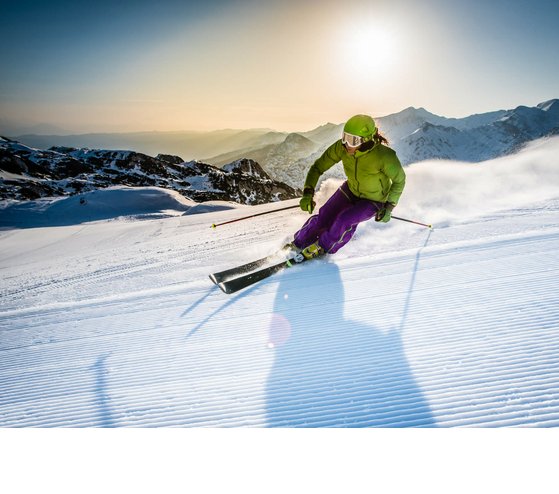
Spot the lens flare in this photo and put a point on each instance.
(280, 331)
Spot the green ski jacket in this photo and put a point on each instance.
(375, 174)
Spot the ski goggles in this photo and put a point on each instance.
(351, 140)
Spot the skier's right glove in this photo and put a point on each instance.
(307, 203)
(385, 212)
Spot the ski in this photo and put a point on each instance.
(238, 270)
(245, 268)
(243, 281)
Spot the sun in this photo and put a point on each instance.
(368, 49)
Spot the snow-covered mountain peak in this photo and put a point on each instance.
(248, 167)
(409, 115)
(398, 125)
(550, 106)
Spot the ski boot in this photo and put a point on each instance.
(312, 251)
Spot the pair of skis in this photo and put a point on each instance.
(235, 279)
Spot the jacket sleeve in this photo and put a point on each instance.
(395, 172)
(329, 158)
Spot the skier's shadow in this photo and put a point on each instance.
(330, 371)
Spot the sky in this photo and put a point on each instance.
(288, 65)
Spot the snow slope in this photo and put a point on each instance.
(116, 324)
(102, 204)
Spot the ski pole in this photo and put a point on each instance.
(214, 225)
(411, 221)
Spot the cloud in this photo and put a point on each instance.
(449, 191)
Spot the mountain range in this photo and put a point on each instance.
(279, 158)
(27, 173)
(191, 145)
(416, 135)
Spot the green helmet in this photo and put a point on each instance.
(361, 126)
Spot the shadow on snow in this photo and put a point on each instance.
(330, 371)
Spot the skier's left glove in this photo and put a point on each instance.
(385, 212)
(307, 203)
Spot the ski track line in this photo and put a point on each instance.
(484, 389)
(520, 351)
(529, 387)
(141, 381)
(519, 322)
(85, 280)
(417, 344)
(439, 372)
(216, 409)
(219, 407)
(122, 304)
(349, 301)
(524, 322)
(353, 415)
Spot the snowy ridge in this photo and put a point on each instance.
(116, 323)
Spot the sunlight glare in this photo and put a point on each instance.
(369, 49)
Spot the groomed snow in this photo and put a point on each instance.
(116, 324)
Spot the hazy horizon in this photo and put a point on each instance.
(62, 132)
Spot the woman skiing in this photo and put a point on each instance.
(375, 181)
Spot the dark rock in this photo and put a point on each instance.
(170, 159)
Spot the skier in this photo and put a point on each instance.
(375, 181)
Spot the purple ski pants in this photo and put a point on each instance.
(336, 221)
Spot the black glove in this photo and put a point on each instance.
(385, 212)
(307, 202)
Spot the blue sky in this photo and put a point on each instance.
(288, 65)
